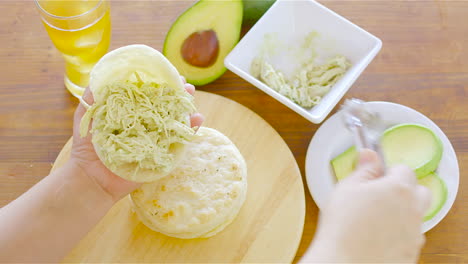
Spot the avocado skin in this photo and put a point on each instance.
(254, 10)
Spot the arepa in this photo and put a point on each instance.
(202, 195)
(141, 113)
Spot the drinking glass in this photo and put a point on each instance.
(81, 31)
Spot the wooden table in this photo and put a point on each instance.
(423, 64)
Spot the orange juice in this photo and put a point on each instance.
(81, 31)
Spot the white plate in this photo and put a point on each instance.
(332, 138)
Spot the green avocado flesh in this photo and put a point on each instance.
(439, 193)
(254, 10)
(345, 163)
(224, 19)
(413, 145)
(138, 123)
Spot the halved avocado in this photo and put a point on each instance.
(439, 193)
(201, 38)
(413, 145)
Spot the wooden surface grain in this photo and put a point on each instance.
(423, 65)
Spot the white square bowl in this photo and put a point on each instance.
(291, 21)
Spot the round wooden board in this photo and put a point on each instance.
(267, 229)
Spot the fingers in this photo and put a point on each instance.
(189, 88)
(404, 179)
(88, 96)
(79, 112)
(196, 120)
(369, 166)
(367, 156)
(424, 196)
(402, 174)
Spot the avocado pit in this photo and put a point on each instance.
(201, 48)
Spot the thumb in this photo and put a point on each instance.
(369, 166)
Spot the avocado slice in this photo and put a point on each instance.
(413, 145)
(345, 163)
(201, 38)
(439, 193)
(254, 10)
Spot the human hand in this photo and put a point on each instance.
(84, 155)
(372, 217)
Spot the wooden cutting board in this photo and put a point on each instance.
(267, 229)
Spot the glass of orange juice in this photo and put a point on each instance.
(80, 30)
